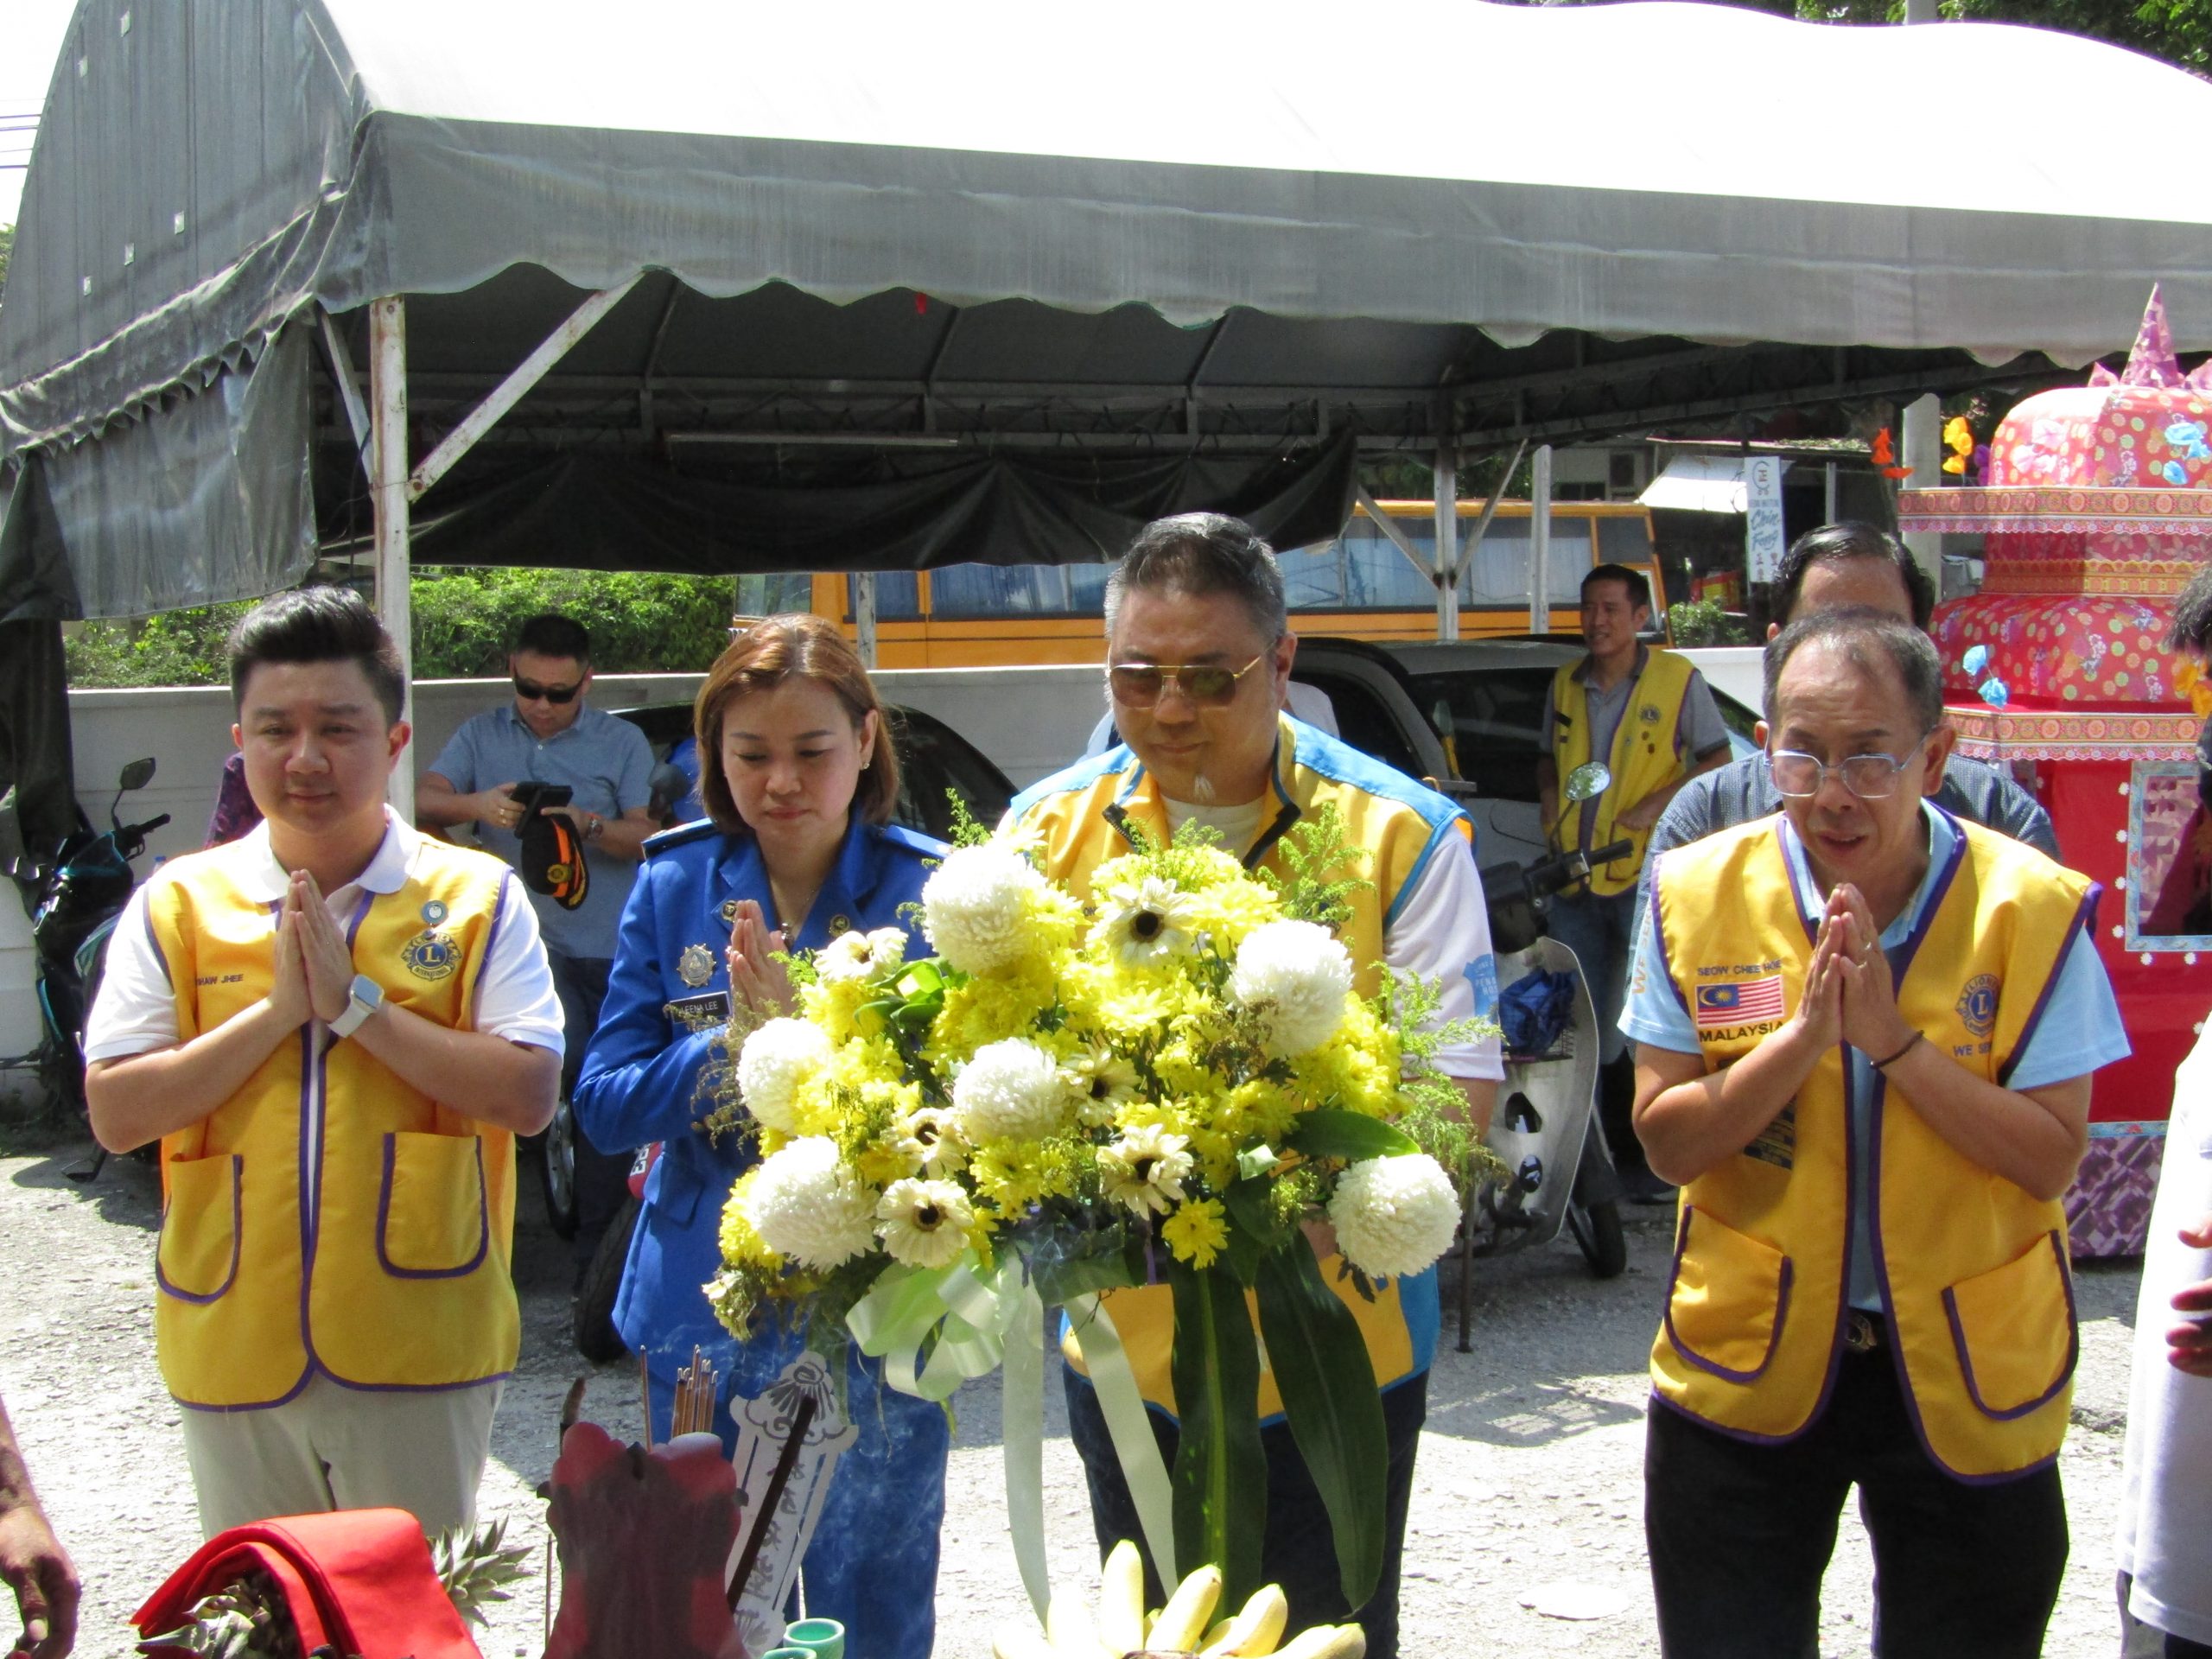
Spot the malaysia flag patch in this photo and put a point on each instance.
(1739, 1001)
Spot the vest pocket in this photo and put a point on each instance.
(1728, 1300)
(433, 1213)
(2002, 1324)
(197, 1259)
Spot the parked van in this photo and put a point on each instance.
(1359, 586)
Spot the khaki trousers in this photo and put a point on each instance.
(331, 1448)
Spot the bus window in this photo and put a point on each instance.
(961, 592)
(1625, 541)
(775, 593)
(898, 596)
(1498, 572)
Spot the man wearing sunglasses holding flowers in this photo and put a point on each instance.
(1866, 1031)
(1198, 656)
(551, 734)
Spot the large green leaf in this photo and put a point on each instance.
(1329, 1132)
(1328, 1390)
(1220, 1478)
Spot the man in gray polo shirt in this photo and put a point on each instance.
(550, 734)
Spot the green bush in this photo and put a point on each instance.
(1702, 622)
(640, 623)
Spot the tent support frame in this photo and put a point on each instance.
(388, 491)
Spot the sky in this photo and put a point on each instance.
(30, 40)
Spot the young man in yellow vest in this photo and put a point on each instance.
(1648, 717)
(335, 1027)
(1198, 653)
(1864, 1034)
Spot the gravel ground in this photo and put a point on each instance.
(1528, 1493)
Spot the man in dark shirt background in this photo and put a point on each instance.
(1846, 564)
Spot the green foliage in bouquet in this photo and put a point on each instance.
(1169, 1085)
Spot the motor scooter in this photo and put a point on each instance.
(1559, 1173)
(82, 888)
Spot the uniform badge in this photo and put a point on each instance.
(430, 954)
(696, 966)
(840, 926)
(730, 910)
(1649, 714)
(1977, 1004)
(434, 912)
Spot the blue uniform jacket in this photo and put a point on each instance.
(641, 1074)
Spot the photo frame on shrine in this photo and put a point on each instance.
(2169, 860)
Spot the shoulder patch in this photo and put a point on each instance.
(913, 841)
(683, 836)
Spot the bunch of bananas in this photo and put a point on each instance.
(1122, 1630)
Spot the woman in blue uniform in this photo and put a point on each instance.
(799, 781)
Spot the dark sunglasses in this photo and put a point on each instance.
(1206, 684)
(531, 691)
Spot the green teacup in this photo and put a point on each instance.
(816, 1639)
(789, 1653)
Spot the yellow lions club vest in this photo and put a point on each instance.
(368, 1242)
(1080, 815)
(1644, 756)
(1973, 1269)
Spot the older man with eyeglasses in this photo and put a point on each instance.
(1864, 1030)
(551, 734)
(1198, 655)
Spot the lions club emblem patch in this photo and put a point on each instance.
(1977, 1004)
(430, 954)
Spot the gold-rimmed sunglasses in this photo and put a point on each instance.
(1206, 685)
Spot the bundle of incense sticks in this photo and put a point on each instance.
(695, 1396)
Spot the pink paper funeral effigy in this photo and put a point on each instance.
(2096, 511)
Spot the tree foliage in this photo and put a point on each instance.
(464, 619)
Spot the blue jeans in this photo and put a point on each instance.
(872, 1563)
(1600, 929)
(602, 1179)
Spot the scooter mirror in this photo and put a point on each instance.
(1589, 780)
(136, 775)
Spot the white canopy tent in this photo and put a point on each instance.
(696, 286)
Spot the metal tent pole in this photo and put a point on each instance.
(1446, 557)
(1539, 540)
(388, 491)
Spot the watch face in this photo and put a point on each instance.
(367, 992)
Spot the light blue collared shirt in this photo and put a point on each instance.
(2080, 1029)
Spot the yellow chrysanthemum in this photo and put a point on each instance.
(1197, 1232)
(741, 1246)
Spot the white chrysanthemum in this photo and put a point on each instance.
(1295, 977)
(1394, 1214)
(854, 955)
(775, 1063)
(1009, 1091)
(924, 1223)
(1100, 1080)
(973, 908)
(806, 1204)
(1145, 1169)
(1151, 919)
(929, 1139)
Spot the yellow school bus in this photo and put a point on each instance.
(1360, 586)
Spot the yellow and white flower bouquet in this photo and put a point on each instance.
(1160, 1086)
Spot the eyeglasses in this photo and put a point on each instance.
(1206, 684)
(1870, 776)
(531, 691)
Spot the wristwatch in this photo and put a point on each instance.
(595, 829)
(364, 998)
